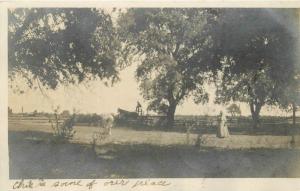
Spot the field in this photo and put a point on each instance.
(143, 153)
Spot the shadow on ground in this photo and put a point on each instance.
(32, 155)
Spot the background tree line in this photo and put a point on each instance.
(250, 55)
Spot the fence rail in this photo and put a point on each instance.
(180, 121)
(208, 121)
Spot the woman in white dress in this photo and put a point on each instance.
(222, 128)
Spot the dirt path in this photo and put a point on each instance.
(130, 136)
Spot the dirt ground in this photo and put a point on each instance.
(124, 135)
(147, 154)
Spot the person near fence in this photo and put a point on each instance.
(138, 109)
(222, 131)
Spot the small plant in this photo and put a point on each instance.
(99, 136)
(103, 131)
(63, 131)
(201, 140)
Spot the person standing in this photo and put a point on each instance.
(138, 108)
(222, 131)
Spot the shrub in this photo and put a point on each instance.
(62, 131)
(103, 131)
(99, 136)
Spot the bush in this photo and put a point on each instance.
(62, 132)
(103, 132)
(99, 136)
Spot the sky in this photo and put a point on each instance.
(95, 97)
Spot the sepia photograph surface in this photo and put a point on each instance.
(126, 93)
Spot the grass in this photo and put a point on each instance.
(147, 154)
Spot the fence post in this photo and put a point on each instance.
(187, 127)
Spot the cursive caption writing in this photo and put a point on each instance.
(89, 184)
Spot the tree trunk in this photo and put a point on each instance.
(171, 115)
(255, 118)
(293, 141)
(255, 110)
(294, 114)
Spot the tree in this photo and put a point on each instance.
(256, 61)
(234, 110)
(290, 100)
(57, 45)
(169, 43)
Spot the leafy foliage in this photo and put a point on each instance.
(169, 42)
(57, 45)
(257, 60)
(62, 131)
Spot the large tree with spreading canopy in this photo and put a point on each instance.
(56, 45)
(170, 44)
(255, 49)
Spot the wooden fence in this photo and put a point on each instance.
(181, 122)
(208, 121)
